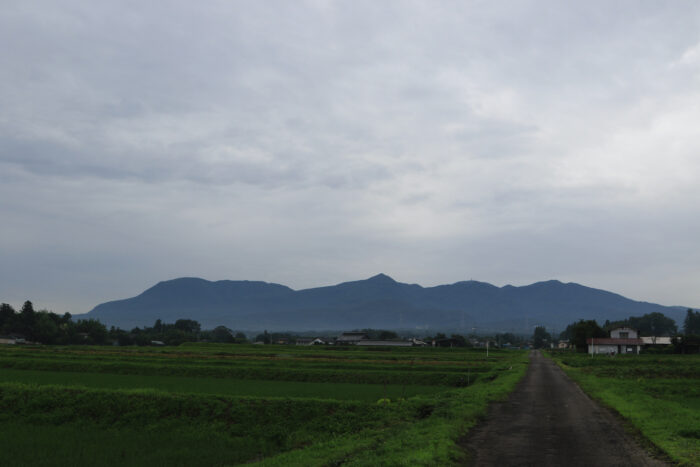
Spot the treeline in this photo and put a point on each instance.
(651, 324)
(47, 327)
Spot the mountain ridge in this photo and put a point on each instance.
(379, 301)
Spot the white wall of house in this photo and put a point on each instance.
(606, 349)
(601, 349)
(624, 333)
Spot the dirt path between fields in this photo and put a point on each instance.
(549, 421)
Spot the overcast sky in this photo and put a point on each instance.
(313, 142)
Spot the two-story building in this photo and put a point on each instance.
(621, 341)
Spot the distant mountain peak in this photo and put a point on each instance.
(381, 278)
(379, 302)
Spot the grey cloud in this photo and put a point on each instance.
(313, 142)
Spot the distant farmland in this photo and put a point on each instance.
(210, 404)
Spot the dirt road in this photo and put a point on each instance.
(549, 421)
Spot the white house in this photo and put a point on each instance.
(621, 341)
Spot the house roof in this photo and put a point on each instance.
(613, 341)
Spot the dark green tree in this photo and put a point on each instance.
(46, 328)
(691, 323)
(264, 337)
(222, 334)
(7, 316)
(96, 332)
(653, 324)
(541, 338)
(26, 320)
(387, 335)
(579, 332)
(189, 326)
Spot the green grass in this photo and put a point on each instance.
(75, 444)
(658, 394)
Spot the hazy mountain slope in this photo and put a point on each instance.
(375, 302)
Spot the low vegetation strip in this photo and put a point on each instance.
(221, 386)
(421, 367)
(279, 373)
(657, 394)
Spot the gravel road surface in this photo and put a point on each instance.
(549, 421)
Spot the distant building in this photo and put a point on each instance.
(351, 337)
(563, 344)
(310, 341)
(448, 342)
(621, 341)
(366, 342)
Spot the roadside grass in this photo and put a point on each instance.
(665, 409)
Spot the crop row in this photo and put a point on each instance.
(313, 353)
(280, 373)
(474, 366)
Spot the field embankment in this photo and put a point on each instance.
(232, 404)
(658, 394)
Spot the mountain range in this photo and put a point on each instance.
(377, 302)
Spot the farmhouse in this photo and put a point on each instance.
(13, 339)
(621, 341)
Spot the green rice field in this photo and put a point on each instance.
(224, 404)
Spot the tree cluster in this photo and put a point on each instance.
(650, 324)
(689, 342)
(578, 333)
(541, 338)
(47, 327)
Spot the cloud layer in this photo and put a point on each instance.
(309, 143)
